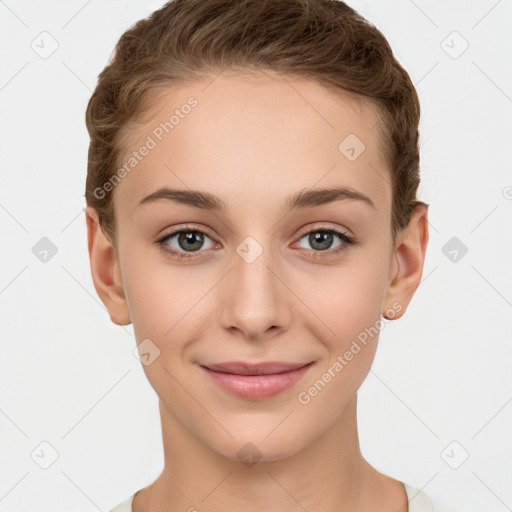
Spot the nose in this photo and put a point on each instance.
(254, 301)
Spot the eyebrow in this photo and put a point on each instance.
(300, 200)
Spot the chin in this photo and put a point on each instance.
(260, 447)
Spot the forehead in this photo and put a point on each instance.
(256, 137)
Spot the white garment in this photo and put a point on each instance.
(418, 501)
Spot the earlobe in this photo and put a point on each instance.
(105, 270)
(409, 258)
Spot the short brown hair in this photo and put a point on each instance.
(322, 40)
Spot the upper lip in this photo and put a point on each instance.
(267, 368)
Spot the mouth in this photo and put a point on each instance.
(256, 381)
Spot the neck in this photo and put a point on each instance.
(329, 474)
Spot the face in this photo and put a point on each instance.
(250, 271)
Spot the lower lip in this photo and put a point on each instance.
(257, 387)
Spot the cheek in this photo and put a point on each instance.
(160, 297)
(151, 313)
(350, 301)
(352, 313)
(162, 311)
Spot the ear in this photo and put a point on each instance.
(407, 261)
(105, 270)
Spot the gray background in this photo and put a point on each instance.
(440, 389)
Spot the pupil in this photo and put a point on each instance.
(324, 239)
(189, 238)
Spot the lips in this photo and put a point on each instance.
(256, 381)
(268, 368)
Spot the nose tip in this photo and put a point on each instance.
(252, 302)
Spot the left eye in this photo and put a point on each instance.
(322, 239)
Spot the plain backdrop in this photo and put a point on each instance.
(436, 408)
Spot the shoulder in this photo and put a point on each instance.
(125, 506)
(418, 500)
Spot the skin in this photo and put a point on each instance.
(253, 141)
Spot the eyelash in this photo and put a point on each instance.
(179, 255)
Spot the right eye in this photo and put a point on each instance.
(182, 242)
